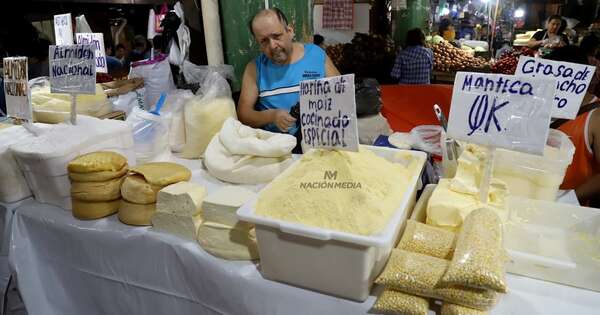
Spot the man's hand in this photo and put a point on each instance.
(283, 120)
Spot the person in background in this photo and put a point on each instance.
(270, 81)
(121, 53)
(551, 37)
(447, 31)
(319, 40)
(414, 63)
(113, 64)
(141, 49)
(583, 175)
(158, 45)
(590, 47)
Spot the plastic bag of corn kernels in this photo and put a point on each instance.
(427, 240)
(392, 302)
(419, 274)
(453, 309)
(478, 260)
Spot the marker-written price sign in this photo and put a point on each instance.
(72, 69)
(63, 29)
(328, 113)
(96, 40)
(506, 111)
(572, 81)
(16, 89)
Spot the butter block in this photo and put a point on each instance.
(178, 209)
(221, 206)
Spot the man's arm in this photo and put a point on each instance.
(591, 188)
(330, 69)
(248, 97)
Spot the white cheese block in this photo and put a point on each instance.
(232, 243)
(221, 206)
(178, 208)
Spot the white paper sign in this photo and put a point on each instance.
(328, 113)
(572, 81)
(16, 90)
(506, 111)
(63, 29)
(97, 40)
(72, 69)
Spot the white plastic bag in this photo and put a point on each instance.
(150, 136)
(205, 114)
(126, 102)
(427, 138)
(157, 77)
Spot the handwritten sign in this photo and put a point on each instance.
(16, 90)
(572, 81)
(72, 69)
(328, 113)
(96, 40)
(63, 29)
(506, 111)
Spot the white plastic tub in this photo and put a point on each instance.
(328, 261)
(554, 242)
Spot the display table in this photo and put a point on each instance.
(67, 266)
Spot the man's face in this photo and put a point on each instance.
(274, 39)
(120, 52)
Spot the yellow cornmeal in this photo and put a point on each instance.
(360, 198)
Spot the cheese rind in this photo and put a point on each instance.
(97, 191)
(135, 189)
(163, 173)
(97, 176)
(228, 242)
(84, 210)
(136, 214)
(97, 162)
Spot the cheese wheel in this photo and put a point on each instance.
(97, 191)
(136, 214)
(135, 189)
(228, 242)
(97, 176)
(163, 173)
(85, 210)
(97, 162)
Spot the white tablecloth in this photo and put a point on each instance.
(67, 266)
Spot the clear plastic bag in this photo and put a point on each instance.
(394, 302)
(205, 114)
(478, 260)
(427, 138)
(157, 77)
(454, 309)
(427, 240)
(420, 274)
(150, 136)
(174, 105)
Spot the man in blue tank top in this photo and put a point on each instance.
(271, 81)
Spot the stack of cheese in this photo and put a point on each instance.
(178, 209)
(453, 199)
(43, 159)
(220, 232)
(141, 186)
(96, 184)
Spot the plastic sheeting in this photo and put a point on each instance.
(66, 266)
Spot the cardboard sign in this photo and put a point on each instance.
(16, 90)
(572, 81)
(72, 69)
(63, 29)
(505, 111)
(96, 40)
(328, 113)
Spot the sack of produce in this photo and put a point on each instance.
(205, 114)
(428, 240)
(394, 302)
(157, 77)
(478, 260)
(453, 309)
(368, 96)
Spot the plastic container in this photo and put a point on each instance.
(533, 176)
(328, 261)
(554, 242)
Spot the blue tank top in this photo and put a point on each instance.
(278, 85)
